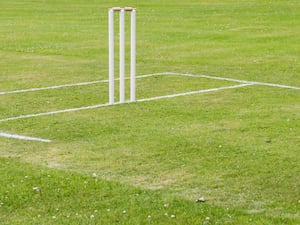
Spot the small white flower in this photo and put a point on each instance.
(108, 210)
(35, 188)
(94, 175)
(166, 214)
(207, 218)
(26, 177)
(124, 211)
(201, 199)
(166, 205)
(149, 217)
(57, 209)
(54, 217)
(38, 215)
(172, 216)
(92, 216)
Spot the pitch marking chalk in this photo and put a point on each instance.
(74, 84)
(139, 100)
(193, 92)
(235, 80)
(148, 75)
(247, 83)
(21, 137)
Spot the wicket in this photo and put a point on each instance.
(122, 53)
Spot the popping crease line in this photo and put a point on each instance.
(234, 80)
(243, 83)
(126, 102)
(148, 75)
(74, 84)
(21, 137)
(193, 92)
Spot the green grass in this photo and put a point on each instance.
(36, 195)
(238, 148)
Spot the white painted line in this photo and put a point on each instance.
(148, 75)
(107, 104)
(208, 77)
(21, 137)
(276, 85)
(51, 87)
(74, 84)
(193, 92)
(235, 80)
(56, 112)
(243, 83)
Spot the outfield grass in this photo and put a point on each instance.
(238, 148)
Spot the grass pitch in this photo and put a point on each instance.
(147, 162)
